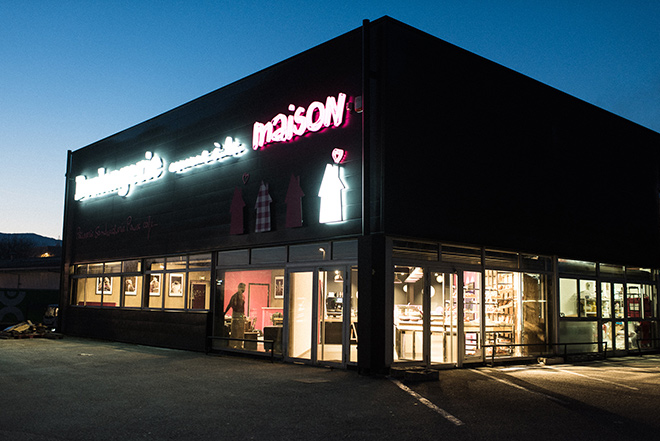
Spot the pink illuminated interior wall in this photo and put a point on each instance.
(257, 287)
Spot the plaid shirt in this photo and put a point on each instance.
(263, 209)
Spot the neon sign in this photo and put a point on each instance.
(280, 129)
(330, 192)
(230, 149)
(283, 128)
(121, 181)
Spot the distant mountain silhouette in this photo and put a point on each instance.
(35, 239)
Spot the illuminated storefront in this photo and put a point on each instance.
(357, 205)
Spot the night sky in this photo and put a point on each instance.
(74, 72)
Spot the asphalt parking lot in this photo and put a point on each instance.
(78, 389)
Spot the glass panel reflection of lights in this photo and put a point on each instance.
(444, 341)
(605, 300)
(330, 317)
(607, 336)
(472, 314)
(353, 339)
(300, 315)
(408, 313)
(515, 312)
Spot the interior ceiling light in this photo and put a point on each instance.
(415, 275)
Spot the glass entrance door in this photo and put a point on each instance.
(317, 312)
(437, 316)
(301, 313)
(330, 318)
(443, 317)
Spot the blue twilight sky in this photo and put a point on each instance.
(74, 72)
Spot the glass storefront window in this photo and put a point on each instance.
(95, 268)
(645, 274)
(618, 300)
(176, 263)
(268, 255)
(587, 298)
(641, 301)
(199, 261)
(174, 290)
(472, 313)
(80, 269)
(132, 291)
(249, 307)
(581, 336)
(611, 270)
(502, 259)
(608, 339)
(155, 290)
(605, 300)
(112, 267)
(309, 252)
(536, 263)
(234, 258)
(515, 312)
(155, 264)
(84, 292)
(132, 266)
(458, 254)
(568, 301)
(576, 267)
(199, 290)
(353, 339)
(111, 291)
(415, 250)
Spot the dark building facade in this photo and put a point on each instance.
(384, 198)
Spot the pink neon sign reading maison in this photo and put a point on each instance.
(311, 119)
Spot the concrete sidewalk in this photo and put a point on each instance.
(78, 389)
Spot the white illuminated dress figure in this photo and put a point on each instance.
(332, 209)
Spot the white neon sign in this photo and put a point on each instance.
(284, 127)
(230, 149)
(121, 181)
(330, 192)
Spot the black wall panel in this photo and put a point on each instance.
(191, 212)
(476, 153)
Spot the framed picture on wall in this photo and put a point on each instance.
(279, 287)
(130, 286)
(103, 285)
(176, 285)
(154, 285)
(198, 293)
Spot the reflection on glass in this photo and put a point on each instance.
(618, 301)
(132, 291)
(579, 332)
(605, 298)
(635, 335)
(587, 299)
(516, 312)
(472, 313)
(568, 297)
(300, 315)
(354, 317)
(607, 336)
(408, 313)
(330, 320)
(443, 318)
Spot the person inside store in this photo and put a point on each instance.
(237, 304)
